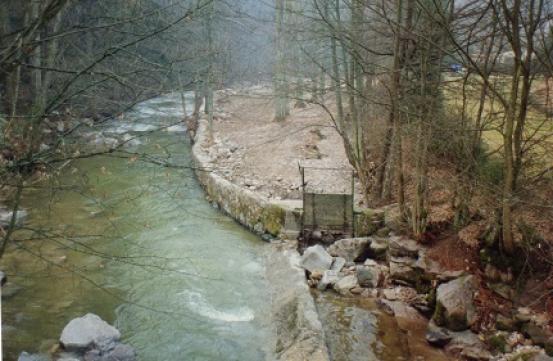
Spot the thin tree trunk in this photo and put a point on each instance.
(508, 132)
(51, 51)
(383, 186)
(337, 76)
(182, 96)
(198, 91)
(36, 62)
(395, 116)
(210, 70)
(280, 81)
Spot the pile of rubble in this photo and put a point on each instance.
(398, 272)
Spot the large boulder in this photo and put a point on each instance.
(434, 270)
(351, 249)
(298, 331)
(316, 259)
(88, 331)
(455, 305)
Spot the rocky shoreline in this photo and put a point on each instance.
(397, 272)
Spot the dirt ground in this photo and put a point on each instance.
(266, 158)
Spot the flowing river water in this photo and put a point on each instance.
(138, 244)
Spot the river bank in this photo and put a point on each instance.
(248, 172)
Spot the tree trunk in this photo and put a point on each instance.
(280, 82)
(395, 110)
(337, 77)
(508, 132)
(36, 62)
(51, 51)
(210, 70)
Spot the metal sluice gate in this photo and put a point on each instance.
(327, 210)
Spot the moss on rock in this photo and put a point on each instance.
(273, 219)
(439, 317)
(498, 342)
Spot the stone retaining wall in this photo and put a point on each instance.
(251, 210)
(258, 213)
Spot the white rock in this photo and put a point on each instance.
(316, 258)
(81, 333)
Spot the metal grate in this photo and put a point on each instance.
(329, 208)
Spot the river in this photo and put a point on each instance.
(139, 245)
